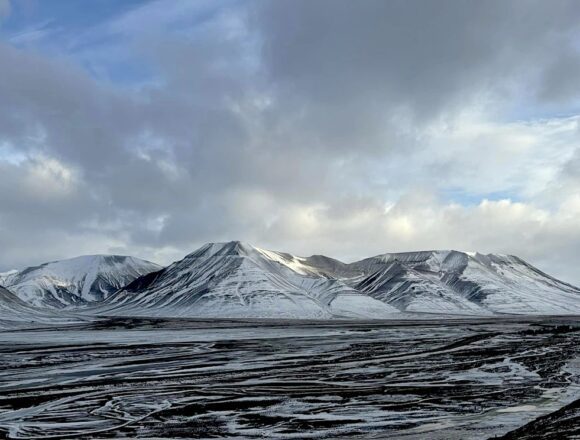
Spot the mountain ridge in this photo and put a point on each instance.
(75, 281)
(233, 279)
(236, 279)
(437, 281)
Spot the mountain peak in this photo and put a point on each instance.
(231, 248)
(76, 280)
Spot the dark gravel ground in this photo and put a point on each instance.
(511, 378)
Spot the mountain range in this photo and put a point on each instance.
(237, 280)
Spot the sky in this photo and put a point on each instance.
(334, 127)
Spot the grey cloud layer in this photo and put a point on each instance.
(326, 126)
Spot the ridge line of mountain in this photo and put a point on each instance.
(236, 279)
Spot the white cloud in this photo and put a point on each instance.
(480, 155)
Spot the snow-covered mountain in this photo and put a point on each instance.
(464, 283)
(75, 281)
(238, 280)
(235, 279)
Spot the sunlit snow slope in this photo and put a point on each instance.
(75, 281)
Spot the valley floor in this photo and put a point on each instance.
(148, 378)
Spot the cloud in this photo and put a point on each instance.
(302, 126)
(423, 59)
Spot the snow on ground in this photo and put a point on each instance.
(152, 378)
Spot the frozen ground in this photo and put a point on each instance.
(153, 378)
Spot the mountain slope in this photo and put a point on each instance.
(465, 283)
(75, 281)
(16, 313)
(238, 280)
(13, 308)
